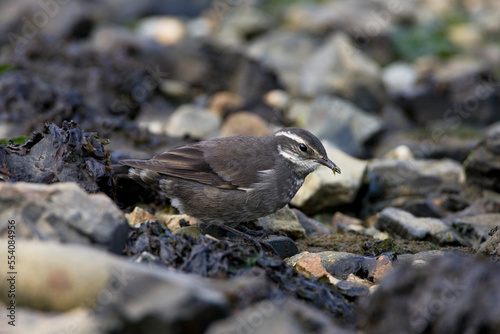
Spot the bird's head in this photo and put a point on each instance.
(303, 149)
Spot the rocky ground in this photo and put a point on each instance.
(404, 96)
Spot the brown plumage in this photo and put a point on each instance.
(236, 179)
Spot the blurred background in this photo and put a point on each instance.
(367, 76)
(403, 94)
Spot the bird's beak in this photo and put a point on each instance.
(328, 163)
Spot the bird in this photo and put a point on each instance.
(233, 180)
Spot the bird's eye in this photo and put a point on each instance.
(303, 147)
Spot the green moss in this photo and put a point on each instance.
(277, 6)
(4, 68)
(17, 140)
(420, 40)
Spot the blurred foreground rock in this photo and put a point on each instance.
(62, 212)
(280, 315)
(124, 295)
(451, 294)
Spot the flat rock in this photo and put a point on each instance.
(476, 229)
(311, 226)
(284, 220)
(62, 212)
(338, 264)
(322, 189)
(406, 225)
(337, 120)
(424, 257)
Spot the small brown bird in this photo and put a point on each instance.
(236, 179)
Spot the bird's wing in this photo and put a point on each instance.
(219, 163)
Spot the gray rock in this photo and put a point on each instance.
(25, 21)
(359, 18)
(278, 315)
(491, 247)
(433, 142)
(422, 258)
(337, 120)
(408, 226)
(455, 92)
(311, 226)
(322, 189)
(480, 206)
(105, 39)
(242, 22)
(451, 294)
(284, 220)
(476, 229)
(193, 121)
(62, 212)
(283, 246)
(338, 67)
(167, 303)
(285, 52)
(397, 183)
(483, 164)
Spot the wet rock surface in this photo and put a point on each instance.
(64, 154)
(404, 98)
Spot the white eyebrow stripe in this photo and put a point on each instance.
(291, 136)
(296, 138)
